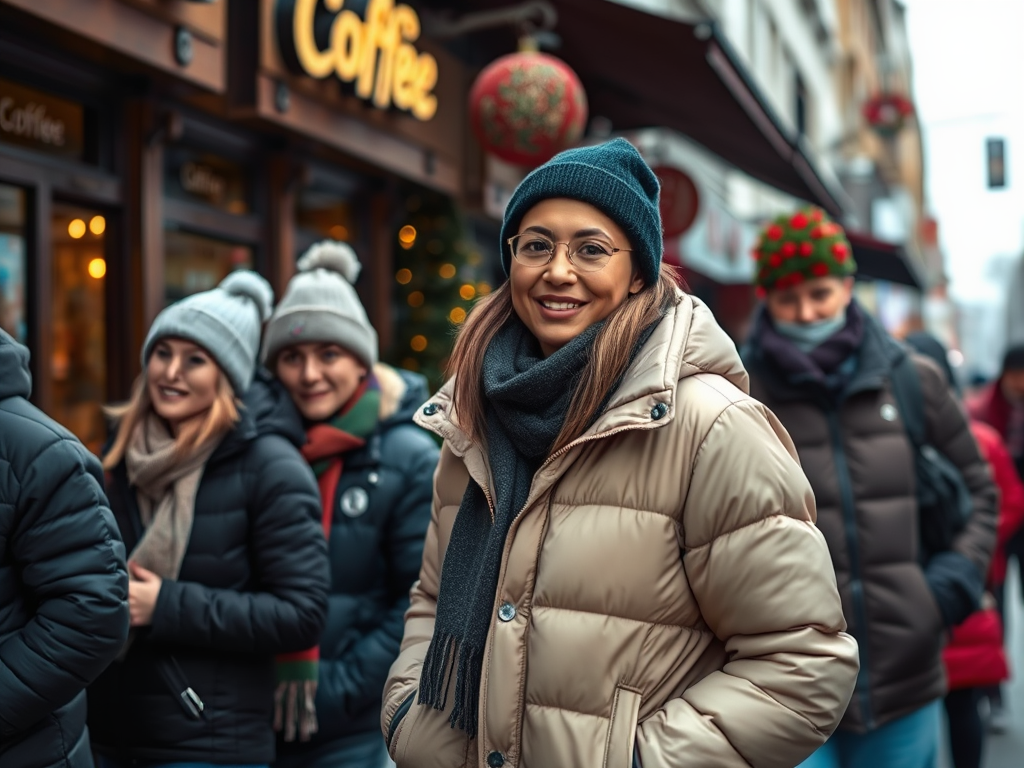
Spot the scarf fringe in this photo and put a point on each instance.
(436, 678)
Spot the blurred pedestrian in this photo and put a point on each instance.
(375, 469)
(1001, 406)
(221, 516)
(63, 583)
(975, 659)
(622, 565)
(827, 369)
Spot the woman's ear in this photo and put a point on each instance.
(637, 283)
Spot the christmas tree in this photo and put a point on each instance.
(438, 273)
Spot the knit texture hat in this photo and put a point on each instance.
(801, 247)
(225, 321)
(1013, 360)
(613, 178)
(321, 305)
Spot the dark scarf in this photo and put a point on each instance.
(830, 365)
(528, 397)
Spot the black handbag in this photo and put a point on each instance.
(944, 503)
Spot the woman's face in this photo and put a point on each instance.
(182, 379)
(556, 301)
(822, 298)
(320, 377)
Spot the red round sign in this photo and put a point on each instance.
(679, 201)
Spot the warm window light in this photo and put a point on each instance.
(97, 268)
(404, 276)
(467, 291)
(418, 343)
(457, 315)
(97, 225)
(447, 271)
(76, 228)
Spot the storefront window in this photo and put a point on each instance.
(325, 213)
(79, 363)
(197, 263)
(12, 262)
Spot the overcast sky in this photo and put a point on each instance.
(968, 61)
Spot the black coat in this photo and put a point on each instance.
(63, 583)
(253, 584)
(376, 552)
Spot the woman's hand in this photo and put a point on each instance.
(143, 590)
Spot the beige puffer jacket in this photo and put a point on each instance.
(664, 586)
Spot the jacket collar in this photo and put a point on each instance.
(686, 342)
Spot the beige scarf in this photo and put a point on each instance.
(166, 491)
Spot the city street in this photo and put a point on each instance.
(1007, 750)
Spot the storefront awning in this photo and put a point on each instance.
(642, 70)
(878, 260)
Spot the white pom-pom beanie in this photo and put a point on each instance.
(225, 321)
(321, 305)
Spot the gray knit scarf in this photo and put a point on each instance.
(528, 397)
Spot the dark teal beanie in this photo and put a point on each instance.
(613, 178)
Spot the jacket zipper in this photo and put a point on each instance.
(862, 687)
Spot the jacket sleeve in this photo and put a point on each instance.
(71, 560)
(287, 607)
(957, 577)
(762, 575)
(404, 676)
(351, 683)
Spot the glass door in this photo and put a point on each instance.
(78, 365)
(13, 312)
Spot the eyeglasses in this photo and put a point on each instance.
(535, 250)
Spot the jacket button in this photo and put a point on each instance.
(430, 409)
(506, 612)
(659, 411)
(495, 759)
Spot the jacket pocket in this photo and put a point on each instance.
(396, 721)
(618, 750)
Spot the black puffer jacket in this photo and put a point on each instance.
(253, 584)
(63, 584)
(375, 558)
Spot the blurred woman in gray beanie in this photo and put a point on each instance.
(374, 468)
(220, 515)
(622, 566)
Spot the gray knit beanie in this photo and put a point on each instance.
(613, 178)
(321, 305)
(225, 321)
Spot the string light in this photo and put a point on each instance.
(97, 268)
(404, 276)
(97, 225)
(407, 236)
(467, 292)
(76, 228)
(416, 299)
(447, 271)
(418, 343)
(457, 315)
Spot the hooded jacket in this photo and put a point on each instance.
(860, 462)
(63, 583)
(375, 550)
(657, 593)
(253, 583)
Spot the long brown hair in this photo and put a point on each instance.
(221, 418)
(612, 350)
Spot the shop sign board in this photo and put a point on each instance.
(374, 52)
(206, 178)
(39, 121)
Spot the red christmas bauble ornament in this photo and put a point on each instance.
(527, 107)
